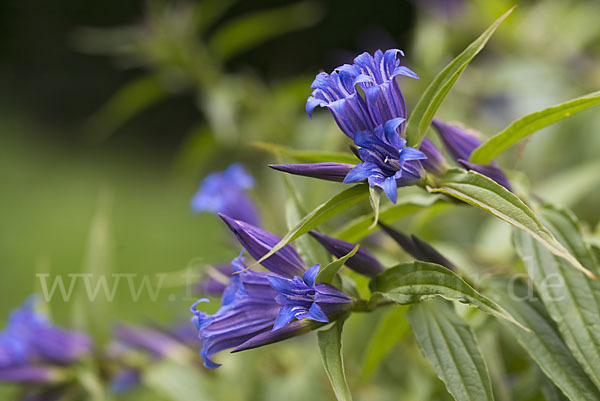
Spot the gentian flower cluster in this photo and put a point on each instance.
(259, 308)
(33, 350)
(368, 106)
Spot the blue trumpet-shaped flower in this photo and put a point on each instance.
(303, 298)
(255, 305)
(248, 308)
(387, 161)
(225, 192)
(375, 76)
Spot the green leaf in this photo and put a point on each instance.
(529, 124)
(572, 299)
(478, 190)
(391, 328)
(310, 250)
(330, 345)
(421, 117)
(546, 347)
(248, 31)
(450, 345)
(410, 200)
(374, 199)
(327, 274)
(411, 282)
(322, 213)
(306, 156)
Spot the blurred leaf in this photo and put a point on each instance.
(211, 10)
(450, 345)
(251, 30)
(546, 346)
(571, 298)
(90, 310)
(327, 274)
(391, 328)
(322, 213)
(306, 156)
(310, 250)
(410, 200)
(175, 381)
(409, 283)
(529, 124)
(330, 345)
(570, 186)
(484, 193)
(129, 101)
(423, 113)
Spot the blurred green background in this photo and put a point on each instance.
(113, 112)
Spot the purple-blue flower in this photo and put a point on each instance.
(248, 308)
(387, 161)
(375, 76)
(255, 306)
(303, 298)
(225, 192)
(30, 343)
(460, 145)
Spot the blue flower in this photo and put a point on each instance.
(375, 76)
(30, 339)
(302, 298)
(255, 305)
(224, 192)
(387, 161)
(248, 308)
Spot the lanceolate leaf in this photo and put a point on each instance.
(330, 345)
(391, 328)
(572, 299)
(480, 191)
(434, 95)
(328, 273)
(322, 213)
(546, 347)
(449, 344)
(412, 202)
(411, 282)
(529, 124)
(306, 156)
